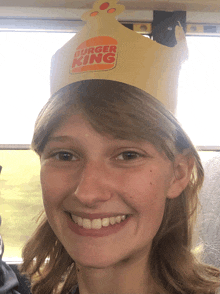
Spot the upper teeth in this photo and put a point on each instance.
(97, 223)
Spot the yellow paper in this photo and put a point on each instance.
(105, 49)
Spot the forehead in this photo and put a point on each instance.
(77, 130)
(76, 124)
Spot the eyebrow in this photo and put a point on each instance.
(75, 140)
(60, 139)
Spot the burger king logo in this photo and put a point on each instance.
(95, 54)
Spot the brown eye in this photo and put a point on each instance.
(64, 156)
(128, 155)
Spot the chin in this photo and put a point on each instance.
(96, 262)
(95, 265)
(96, 259)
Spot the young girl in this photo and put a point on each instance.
(120, 182)
(116, 156)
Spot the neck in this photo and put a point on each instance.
(127, 277)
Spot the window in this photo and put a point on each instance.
(198, 111)
(199, 88)
(24, 73)
(21, 199)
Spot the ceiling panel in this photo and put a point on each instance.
(168, 5)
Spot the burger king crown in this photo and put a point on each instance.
(105, 49)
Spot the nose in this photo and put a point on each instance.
(94, 184)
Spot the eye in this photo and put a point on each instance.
(64, 156)
(129, 155)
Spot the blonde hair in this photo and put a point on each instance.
(124, 112)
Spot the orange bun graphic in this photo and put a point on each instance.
(95, 54)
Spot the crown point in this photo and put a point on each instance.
(94, 13)
(111, 10)
(179, 33)
(104, 6)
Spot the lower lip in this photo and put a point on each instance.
(104, 231)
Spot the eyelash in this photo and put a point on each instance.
(131, 155)
(57, 154)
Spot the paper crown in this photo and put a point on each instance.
(105, 49)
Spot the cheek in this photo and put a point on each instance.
(55, 182)
(53, 185)
(53, 191)
(151, 185)
(146, 193)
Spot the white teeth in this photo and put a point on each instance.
(87, 224)
(80, 221)
(75, 218)
(112, 220)
(105, 222)
(97, 223)
(118, 219)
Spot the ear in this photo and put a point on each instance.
(182, 170)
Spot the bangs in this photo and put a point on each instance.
(125, 112)
(112, 108)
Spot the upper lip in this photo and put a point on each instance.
(96, 215)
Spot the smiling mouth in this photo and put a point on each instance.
(97, 224)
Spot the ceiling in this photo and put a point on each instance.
(167, 5)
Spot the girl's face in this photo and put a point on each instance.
(104, 197)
